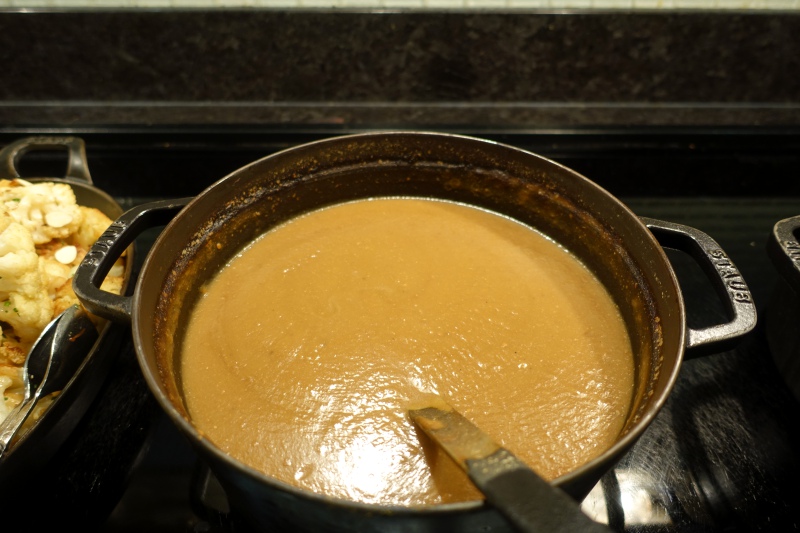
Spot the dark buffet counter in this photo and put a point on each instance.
(333, 69)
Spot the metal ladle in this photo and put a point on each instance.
(52, 361)
(529, 502)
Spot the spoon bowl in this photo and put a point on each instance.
(52, 361)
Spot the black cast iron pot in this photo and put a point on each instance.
(210, 228)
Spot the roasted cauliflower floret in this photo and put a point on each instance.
(94, 223)
(48, 210)
(10, 388)
(6, 404)
(12, 351)
(60, 260)
(25, 302)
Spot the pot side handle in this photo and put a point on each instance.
(77, 168)
(726, 279)
(108, 248)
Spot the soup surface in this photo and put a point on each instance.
(304, 353)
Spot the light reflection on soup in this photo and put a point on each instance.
(303, 354)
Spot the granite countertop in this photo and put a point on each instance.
(364, 69)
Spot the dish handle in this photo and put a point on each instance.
(726, 279)
(77, 168)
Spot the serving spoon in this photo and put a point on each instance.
(52, 361)
(529, 502)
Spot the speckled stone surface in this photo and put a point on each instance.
(331, 69)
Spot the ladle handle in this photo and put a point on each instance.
(528, 501)
(108, 248)
(726, 280)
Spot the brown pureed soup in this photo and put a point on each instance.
(304, 353)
